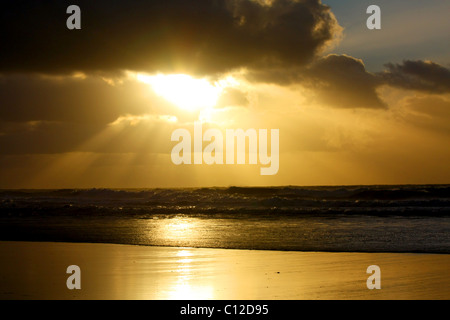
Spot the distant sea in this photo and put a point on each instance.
(404, 218)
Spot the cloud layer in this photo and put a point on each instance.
(44, 112)
(343, 81)
(189, 36)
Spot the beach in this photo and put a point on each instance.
(37, 270)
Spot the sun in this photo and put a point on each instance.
(184, 91)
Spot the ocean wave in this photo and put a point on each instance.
(355, 218)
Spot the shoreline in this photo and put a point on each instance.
(37, 270)
(222, 248)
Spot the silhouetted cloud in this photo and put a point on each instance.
(69, 99)
(189, 36)
(417, 75)
(337, 80)
(343, 81)
(52, 114)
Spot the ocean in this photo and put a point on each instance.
(404, 218)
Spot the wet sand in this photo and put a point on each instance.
(36, 270)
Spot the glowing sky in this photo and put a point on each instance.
(96, 107)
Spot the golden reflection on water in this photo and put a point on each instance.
(177, 231)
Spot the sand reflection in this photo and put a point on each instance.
(37, 271)
(188, 286)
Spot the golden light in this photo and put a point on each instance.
(178, 230)
(188, 285)
(183, 90)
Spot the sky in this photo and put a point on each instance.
(96, 107)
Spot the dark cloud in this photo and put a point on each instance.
(52, 114)
(68, 99)
(343, 81)
(337, 80)
(190, 36)
(418, 75)
(43, 137)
